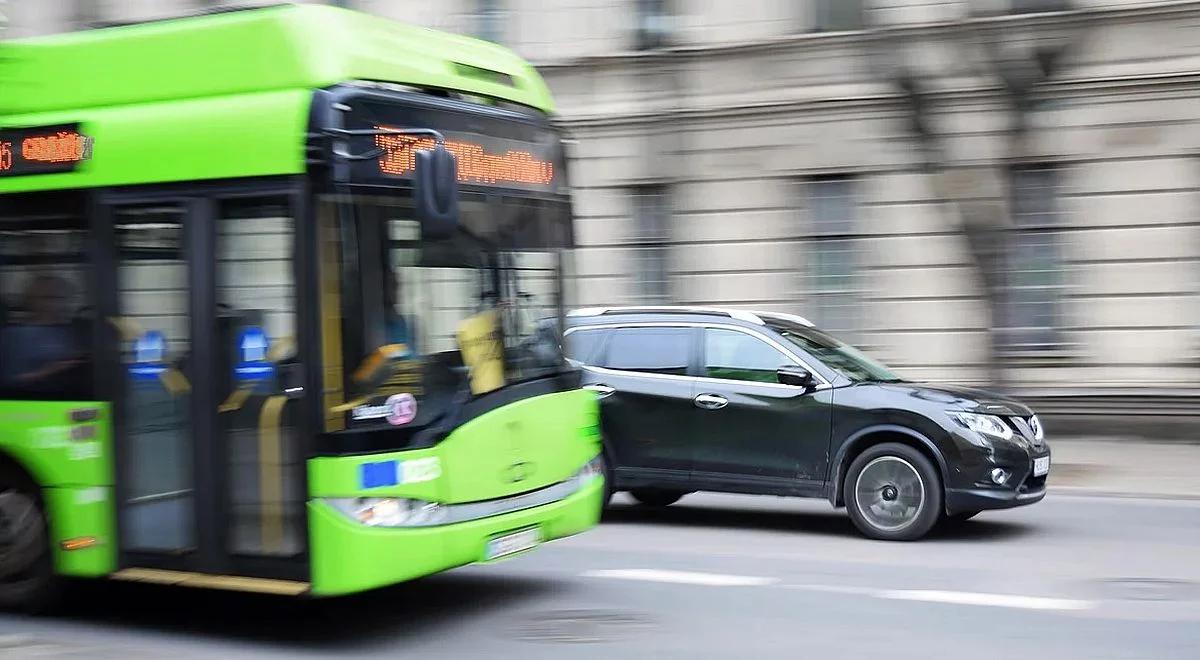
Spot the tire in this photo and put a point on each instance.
(608, 482)
(27, 580)
(651, 497)
(893, 493)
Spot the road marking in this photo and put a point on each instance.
(835, 589)
(922, 595)
(952, 597)
(682, 577)
(989, 600)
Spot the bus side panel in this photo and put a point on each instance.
(83, 516)
(72, 463)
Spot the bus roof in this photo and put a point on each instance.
(228, 91)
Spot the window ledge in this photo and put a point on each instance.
(1044, 356)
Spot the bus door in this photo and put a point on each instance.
(210, 470)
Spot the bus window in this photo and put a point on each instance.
(256, 329)
(154, 299)
(46, 331)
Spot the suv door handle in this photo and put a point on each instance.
(710, 401)
(601, 391)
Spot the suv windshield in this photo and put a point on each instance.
(837, 355)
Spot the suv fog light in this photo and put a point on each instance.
(1000, 476)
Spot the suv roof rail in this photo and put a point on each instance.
(739, 314)
(780, 316)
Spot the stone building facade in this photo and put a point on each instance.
(759, 153)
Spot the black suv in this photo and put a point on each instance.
(755, 402)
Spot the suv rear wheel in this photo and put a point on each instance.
(651, 497)
(893, 493)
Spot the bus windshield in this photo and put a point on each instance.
(421, 300)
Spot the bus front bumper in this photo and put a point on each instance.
(348, 557)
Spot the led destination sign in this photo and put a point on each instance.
(42, 150)
(475, 163)
(493, 150)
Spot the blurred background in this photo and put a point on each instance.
(998, 192)
(992, 192)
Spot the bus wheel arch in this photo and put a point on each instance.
(27, 580)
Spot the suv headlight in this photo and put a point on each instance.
(388, 511)
(1035, 425)
(989, 426)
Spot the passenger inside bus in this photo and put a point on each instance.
(40, 347)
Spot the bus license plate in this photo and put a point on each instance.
(510, 544)
(1041, 466)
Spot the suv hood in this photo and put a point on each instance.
(954, 397)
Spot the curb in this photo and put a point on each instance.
(1085, 491)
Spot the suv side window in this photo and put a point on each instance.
(583, 344)
(733, 355)
(650, 350)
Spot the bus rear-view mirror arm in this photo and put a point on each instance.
(434, 180)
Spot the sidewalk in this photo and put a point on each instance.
(1125, 469)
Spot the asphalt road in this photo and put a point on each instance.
(717, 577)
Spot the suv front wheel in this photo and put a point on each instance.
(655, 497)
(893, 493)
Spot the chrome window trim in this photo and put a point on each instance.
(824, 384)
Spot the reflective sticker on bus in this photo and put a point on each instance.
(83, 451)
(402, 409)
(393, 473)
(420, 470)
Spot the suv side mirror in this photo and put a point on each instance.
(794, 374)
(435, 192)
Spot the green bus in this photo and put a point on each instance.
(279, 291)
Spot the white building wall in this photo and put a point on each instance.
(749, 103)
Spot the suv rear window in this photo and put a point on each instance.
(650, 350)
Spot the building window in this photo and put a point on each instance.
(650, 233)
(1037, 6)
(833, 256)
(1035, 282)
(653, 24)
(837, 15)
(489, 20)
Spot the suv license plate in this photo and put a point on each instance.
(1041, 466)
(510, 544)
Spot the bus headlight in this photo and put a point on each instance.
(388, 511)
(593, 470)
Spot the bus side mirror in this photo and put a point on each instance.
(435, 192)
